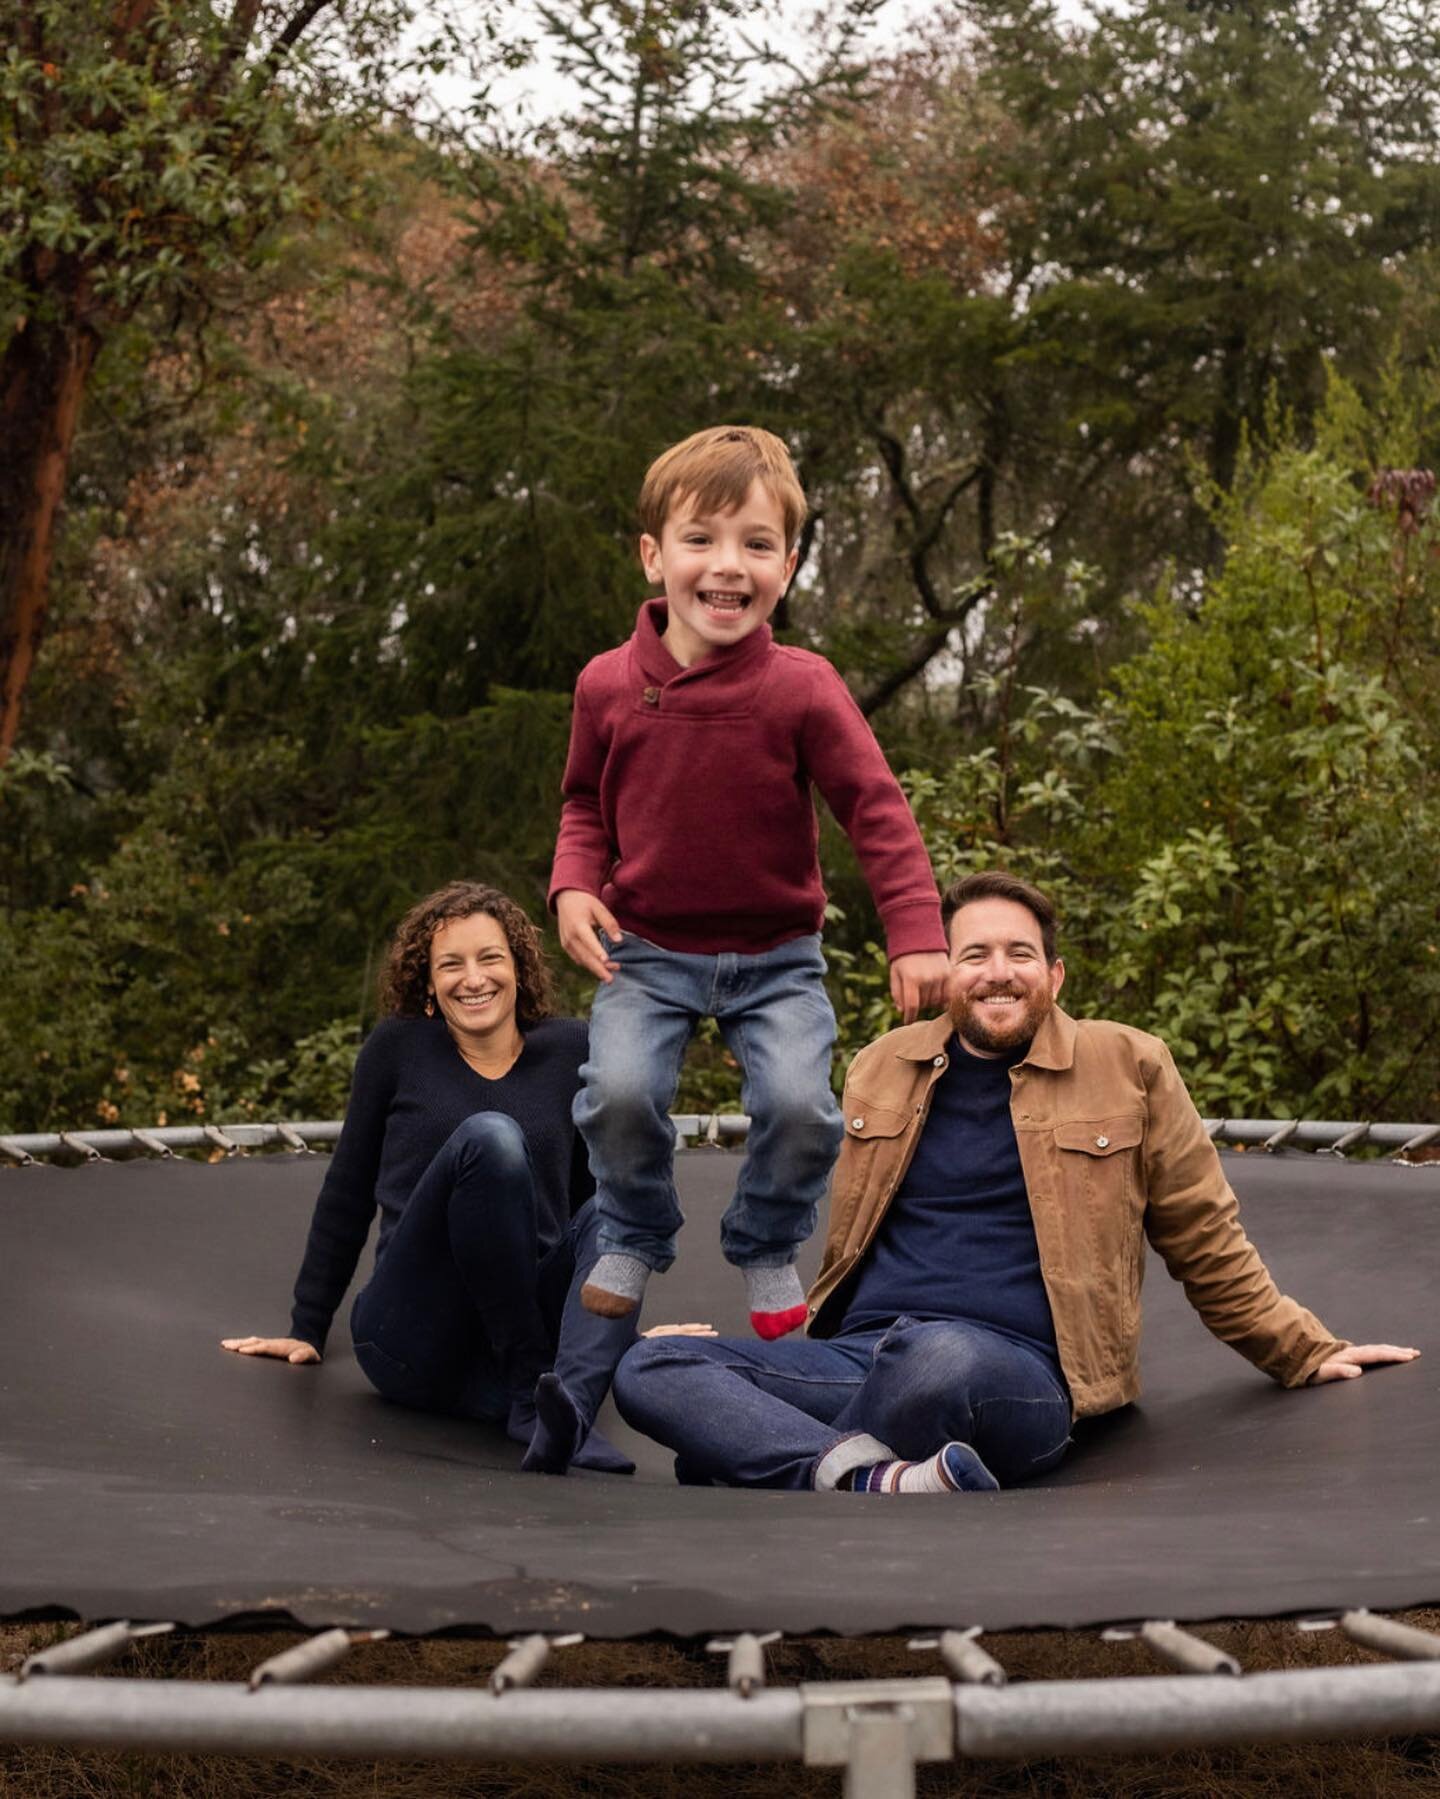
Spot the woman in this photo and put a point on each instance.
(458, 1129)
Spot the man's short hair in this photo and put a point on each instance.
(715, 470)
(993, 883)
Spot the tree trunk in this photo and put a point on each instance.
(42, 382)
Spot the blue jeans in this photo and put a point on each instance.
(776, 1018)
(462, 1313)
(752, 1414)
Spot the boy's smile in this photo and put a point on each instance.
(723, 572)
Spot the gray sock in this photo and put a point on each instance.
(615, 1285)
(776, 1300)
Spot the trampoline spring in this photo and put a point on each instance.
(1422, 1140)
(745, 1670)
(1348, 1141)
(1274, 1144)
(963, 1656)
(310, 1658)
(1214, 1128)
(1181, 1648)
(153, 1146)
(91, 1649)
(213, 1134)
(81, 1147)
(1404, 1641)
(17, 1153)
(527, 1657)
(291, 1138)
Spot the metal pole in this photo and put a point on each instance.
(591, 1725)
(1175, 1711)
(882, 1761)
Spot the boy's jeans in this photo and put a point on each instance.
(776, 1018)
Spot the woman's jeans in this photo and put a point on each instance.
(776, 1018)
(752, 1414)
(462, 1314)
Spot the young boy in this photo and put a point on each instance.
(686, 877)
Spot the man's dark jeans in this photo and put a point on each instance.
(745, 1413)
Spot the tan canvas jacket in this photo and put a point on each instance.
(1113, 1151)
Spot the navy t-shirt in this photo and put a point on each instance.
(958, 1240)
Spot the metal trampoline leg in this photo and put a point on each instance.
(876, 1730)
(882, 1762)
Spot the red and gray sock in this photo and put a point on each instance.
(776, 1300)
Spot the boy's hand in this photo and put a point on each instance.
(579, 915)
(917, 982)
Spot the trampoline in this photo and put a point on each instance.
(144, 1473)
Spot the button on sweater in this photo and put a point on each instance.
(689, 806)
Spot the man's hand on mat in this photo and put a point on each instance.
(579, 915)
(681, 1330)
(285, 1349)
(917, 982)
(1357, 1359)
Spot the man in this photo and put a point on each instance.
(1001, 1169)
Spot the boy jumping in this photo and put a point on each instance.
(686, 877)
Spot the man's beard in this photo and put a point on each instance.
(1016, 1030)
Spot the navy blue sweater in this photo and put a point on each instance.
(411, 1089)
(958, 1240)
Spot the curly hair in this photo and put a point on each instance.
(405, 977)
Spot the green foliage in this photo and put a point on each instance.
(1019, 303)
(147, 150)
(1240, 832)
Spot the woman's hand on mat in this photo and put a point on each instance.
(917, 982)
(579, 915)
(1357, 1358)
(284, 1349)
(681, 1330)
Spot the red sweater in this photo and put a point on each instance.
(688, 807)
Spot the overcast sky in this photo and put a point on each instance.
(539, 91)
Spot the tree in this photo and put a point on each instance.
(1209, 201)
(147, 149)
(1240, 832)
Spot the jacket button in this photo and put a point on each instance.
(651, 696)
(1102, 1143)
(857, 1124)
(939, 1062)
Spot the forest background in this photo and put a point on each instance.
(1105, 344)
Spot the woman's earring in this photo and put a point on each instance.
(429, 1005)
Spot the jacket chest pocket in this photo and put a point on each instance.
(870, 1163)
(1098, 1160)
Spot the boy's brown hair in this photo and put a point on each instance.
(715, 469)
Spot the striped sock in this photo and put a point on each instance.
(776, 1300)
(954, 1469)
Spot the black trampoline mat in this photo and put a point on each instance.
(145, 1473)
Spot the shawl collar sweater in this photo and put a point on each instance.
(688, 797)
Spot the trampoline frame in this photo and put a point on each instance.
(1326, 1137)
(874, 1731)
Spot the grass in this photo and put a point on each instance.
(1364, 1770)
